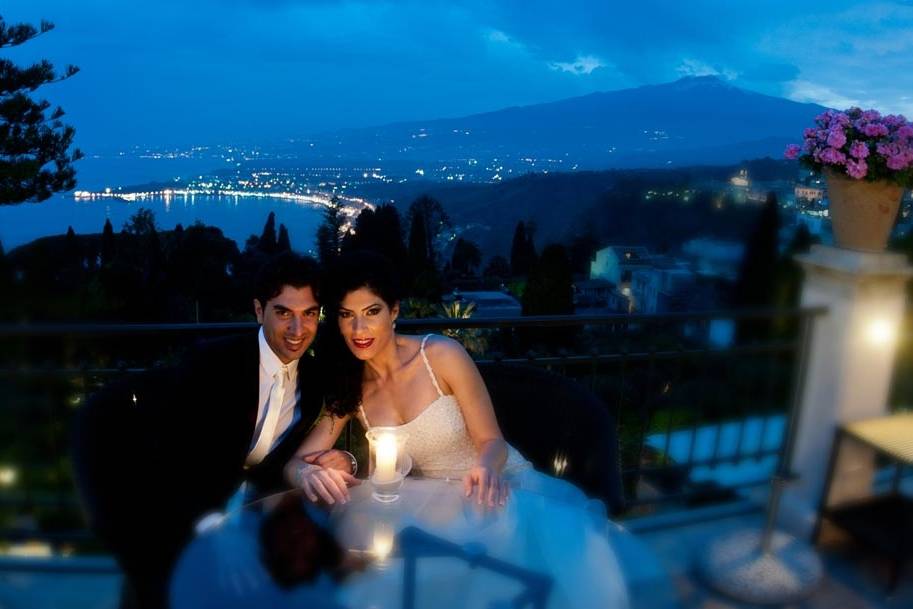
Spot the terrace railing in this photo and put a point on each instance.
(701, 400)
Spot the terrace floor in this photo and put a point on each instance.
(854, 578)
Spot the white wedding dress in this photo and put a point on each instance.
(548, 526)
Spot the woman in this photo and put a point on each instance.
(430, 386)
(427, 384)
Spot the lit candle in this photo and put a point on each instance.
(385, 458)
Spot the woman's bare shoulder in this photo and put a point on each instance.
(445, 350)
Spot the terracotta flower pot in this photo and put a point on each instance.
(862, 213)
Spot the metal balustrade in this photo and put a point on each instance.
(701, 400)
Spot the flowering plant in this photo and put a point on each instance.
(860, 144)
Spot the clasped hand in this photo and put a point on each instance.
(324, 475)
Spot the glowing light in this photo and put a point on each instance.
(8, 476)
(559, 464)
(881, 332)
(382, 543)
(30, 549)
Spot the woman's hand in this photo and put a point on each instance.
(318, 482)
(492, 488)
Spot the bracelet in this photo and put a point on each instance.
(353, 462)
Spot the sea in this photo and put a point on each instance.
(238, 217)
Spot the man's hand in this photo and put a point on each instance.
(333, 459)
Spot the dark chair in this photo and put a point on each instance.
(122, 478)
(560, 426)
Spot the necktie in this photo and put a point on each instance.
(273, 408)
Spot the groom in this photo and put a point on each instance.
(158, 451)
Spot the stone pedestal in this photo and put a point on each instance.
(849, 371)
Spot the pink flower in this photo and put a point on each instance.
(875, 130)
(856, 169)
(906, 131)
(871, 115)
(886, 149)
(836, 138)
(832, 156)
(809, 132)
(842, 119)
(859, 149)
(792, 151)
(897, 162)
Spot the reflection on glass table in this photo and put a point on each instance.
(432, 548)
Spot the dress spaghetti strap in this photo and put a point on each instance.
(428, 366)
(364, 416)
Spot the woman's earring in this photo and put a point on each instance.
(394, 324)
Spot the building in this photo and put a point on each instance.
(488, 304)
(616, 262)
(813, 194)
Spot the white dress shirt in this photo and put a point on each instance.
(270, 364)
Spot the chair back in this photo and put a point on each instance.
(560, 426)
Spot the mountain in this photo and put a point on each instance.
(607, 204)
(695, 120)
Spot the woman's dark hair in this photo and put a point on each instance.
(344, 371)
(361, 269)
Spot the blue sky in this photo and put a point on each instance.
(171, 72)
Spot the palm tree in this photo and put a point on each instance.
(473, 339)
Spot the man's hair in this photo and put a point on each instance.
(285, 269)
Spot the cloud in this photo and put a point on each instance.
(498, 36)
(584, 64)
(693, 67)
(806, 91)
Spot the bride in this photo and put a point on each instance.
(431, 387)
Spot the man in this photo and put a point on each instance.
(159, 451)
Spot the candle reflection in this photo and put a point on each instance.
(382, 545)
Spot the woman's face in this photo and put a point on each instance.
(366, 322)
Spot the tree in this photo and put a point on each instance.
(380, 230)
(757, 271)
(549, 290)
(582, 251)
(427, 223)
(420, 253)
(35, 157)
(267, 243)
(467, 257)
(522, 250)
(329, 233)
(498, 267)
(107, 243)
(142, 223)
(756, 285)
(283, 244)
(5, 274)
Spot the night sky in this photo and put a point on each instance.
(170, 72)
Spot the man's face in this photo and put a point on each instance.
(289, 321)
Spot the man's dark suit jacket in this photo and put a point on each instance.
(149, 468)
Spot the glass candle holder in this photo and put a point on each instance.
(389, 463)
